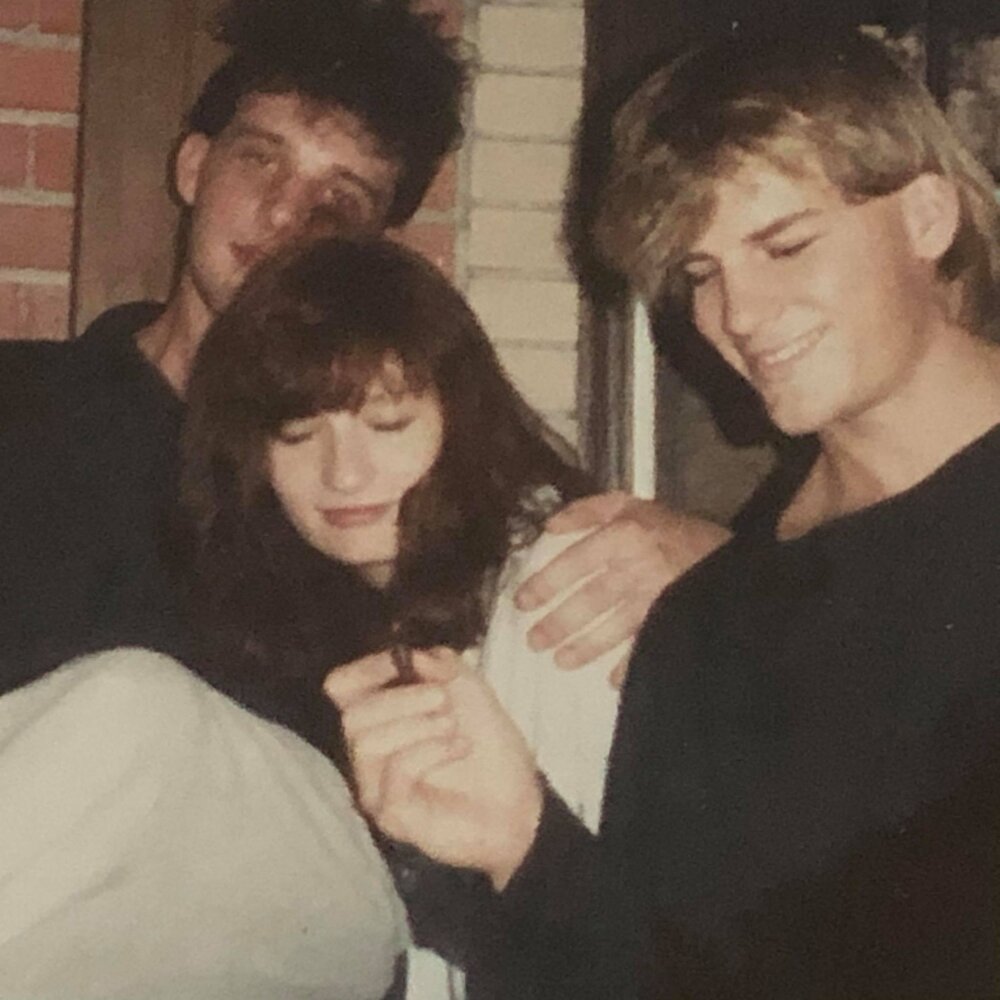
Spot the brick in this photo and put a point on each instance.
(61, 17)
(34, 312)
(440, 196)
(11, 326)
(531, 38)
(526, 173)
(17, 13)
(55, 158)
(39, 79)
(45, 309)
(530, 107)
(435, 240)
(545, 376)
(519, 309)
(521, 240)
(35, 236)
(13, 155)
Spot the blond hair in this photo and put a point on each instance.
(841, 103)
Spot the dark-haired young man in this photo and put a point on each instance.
(330, 117)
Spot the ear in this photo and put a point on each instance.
(931, 214)
(190, 158)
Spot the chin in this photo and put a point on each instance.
(796, 418)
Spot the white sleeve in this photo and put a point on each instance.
(158, 841)
(567, 716)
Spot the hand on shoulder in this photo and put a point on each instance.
(633, 550)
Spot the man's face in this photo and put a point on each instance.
(280, 171)
(821, 305)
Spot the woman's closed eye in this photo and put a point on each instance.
(297, 431)
(390, 426)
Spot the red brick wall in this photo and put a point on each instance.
(39, 94)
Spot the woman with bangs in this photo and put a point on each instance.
(360, 476)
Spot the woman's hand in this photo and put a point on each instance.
(438, 764)
(638, 549)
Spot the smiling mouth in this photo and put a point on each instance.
(355, 517)
(773, 364)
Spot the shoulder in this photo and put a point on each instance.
(32, 375)
(506, 647)
(115, 327)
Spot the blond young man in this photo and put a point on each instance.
(802, 799)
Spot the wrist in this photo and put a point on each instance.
(519, 837)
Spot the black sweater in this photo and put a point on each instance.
(88, 456)
(804, 794)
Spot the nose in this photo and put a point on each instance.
(347, 465)
(748, 302)
(287, 206)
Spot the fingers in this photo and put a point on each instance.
(374, 751)
(350, 683)
(588, 512)
(601, 593)
(353, 682)
(394, 703)
(405, 772)
(585, 556)
(439, 665)
(609, 633)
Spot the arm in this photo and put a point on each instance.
(637, 549)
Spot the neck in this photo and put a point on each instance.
(952, 398)
(379, 575)
(171, 342)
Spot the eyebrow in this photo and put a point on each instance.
(761, 235)
(765, 233)
(244, 129)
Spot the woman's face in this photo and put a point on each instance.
(341, 475)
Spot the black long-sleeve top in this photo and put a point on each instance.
(804, 795)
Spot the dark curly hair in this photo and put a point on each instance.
(308, 332)
(385, 64)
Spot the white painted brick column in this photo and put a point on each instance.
(525, 103)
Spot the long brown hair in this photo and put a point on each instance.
(308, 332)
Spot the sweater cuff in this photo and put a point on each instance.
(562, 852)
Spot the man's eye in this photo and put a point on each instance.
(343, 211)
(779, 250)
(695, 276)
(257, 156)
